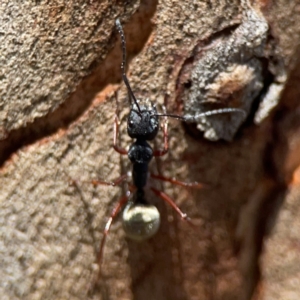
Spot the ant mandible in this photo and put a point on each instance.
(140, 219)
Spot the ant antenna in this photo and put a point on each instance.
(195, 118)
(123, 64)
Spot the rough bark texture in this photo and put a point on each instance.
(60, 66)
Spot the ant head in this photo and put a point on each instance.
(143, 121)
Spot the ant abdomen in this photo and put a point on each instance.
(140, 221)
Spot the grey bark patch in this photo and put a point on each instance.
(227, 72)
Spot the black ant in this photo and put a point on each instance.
(140, 219)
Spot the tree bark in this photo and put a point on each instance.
(60, 74)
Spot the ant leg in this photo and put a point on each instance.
(96, 182)
(122, 201)
(169, 200)
(115, 182)
(163, 151)
(195, 184)
(116, 130)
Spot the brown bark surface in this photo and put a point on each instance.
(60, 66)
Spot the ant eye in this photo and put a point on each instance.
(130, 123)
(153, 122)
